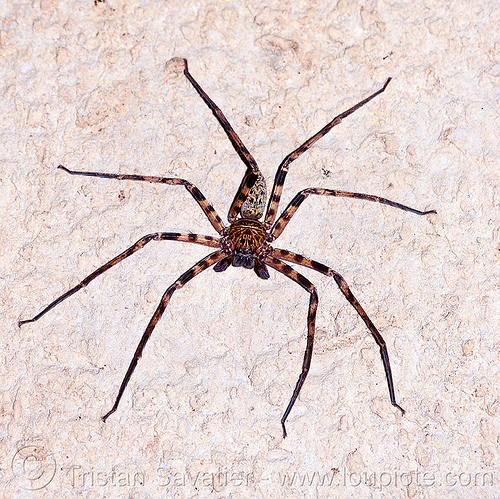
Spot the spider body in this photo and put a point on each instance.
(255, 204)
(246, 241)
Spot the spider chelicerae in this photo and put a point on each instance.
(246, 241)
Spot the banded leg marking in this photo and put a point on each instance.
(294, 204)
(279, 180)
(202, 265)
(189, 238)
(207, 208)
(342, 284)
(253, 171)
(311, 321)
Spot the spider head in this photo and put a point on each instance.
(249, 261)
(245, 240)
(246, 261)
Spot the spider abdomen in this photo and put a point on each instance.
(255, 203)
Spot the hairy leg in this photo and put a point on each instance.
(279, 180)
(342, 284)
(285, 269)
(207, 208)
(202, 265)
(253, 171)
(294, 204)
(190, 238)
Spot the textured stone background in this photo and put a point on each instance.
(89, 86)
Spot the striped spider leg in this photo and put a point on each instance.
(199, 267)
(246, 241)
(275, 260)
(282, 171)
(253, 174)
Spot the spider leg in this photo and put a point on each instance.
(279, 180)
(253, 171)
(342, 284)
(311, 320)
(202, 265)
(159, 236)
(207, 208)
(294, 204)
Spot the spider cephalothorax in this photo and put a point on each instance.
(246, 241)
